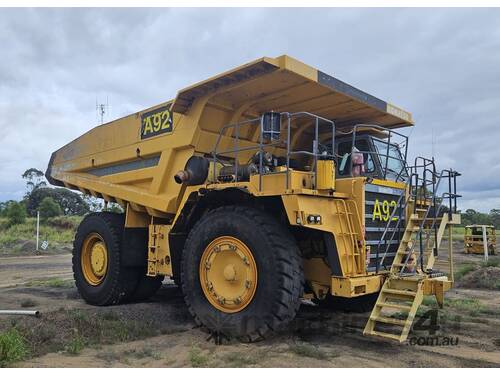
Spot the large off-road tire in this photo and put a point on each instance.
(271, 273)
(356, 304)
(99, 275)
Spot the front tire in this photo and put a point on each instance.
(226, 252)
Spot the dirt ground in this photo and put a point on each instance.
(161, 333)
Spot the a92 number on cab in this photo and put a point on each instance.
(155, 122)
(382, 210)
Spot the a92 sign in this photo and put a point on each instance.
(382, 210)
(155, 122)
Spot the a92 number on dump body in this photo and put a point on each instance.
(156, 122)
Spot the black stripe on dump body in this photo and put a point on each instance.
(125, 167)
(344, 88)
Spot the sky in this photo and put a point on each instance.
(442, 65)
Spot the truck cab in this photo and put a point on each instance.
(380, 159)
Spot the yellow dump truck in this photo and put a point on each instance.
(254, 189)
(476, 236)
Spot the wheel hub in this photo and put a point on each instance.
(94, 259)
(228, 274)
(97, 258)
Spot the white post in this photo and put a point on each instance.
(37, 228)
(485, 244)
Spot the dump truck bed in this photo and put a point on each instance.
(133, 159)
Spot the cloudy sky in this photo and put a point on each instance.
(443, 65)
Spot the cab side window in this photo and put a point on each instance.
(344, 148)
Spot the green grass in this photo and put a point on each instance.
(12, 347)
(197, 358)
(145, 352)
(20, 238)
(458, 231)
(237, 360)
(429, 301)
(70, 331)
(76, 345)
(55, 282)
(463, 270)
(108, 327)
(492, 262)
(308, 350)
(465, 304)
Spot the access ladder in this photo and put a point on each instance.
(411, 274)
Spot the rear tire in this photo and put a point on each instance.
(117, 283)
(279, 274)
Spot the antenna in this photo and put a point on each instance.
(101, 109)
(433, 141)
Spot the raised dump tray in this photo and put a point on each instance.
(133, 159)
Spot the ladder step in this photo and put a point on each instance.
(394, 306)
(399, 292)
(393, 321)
(385, 335)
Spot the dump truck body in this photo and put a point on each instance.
(307, 160)
(134, 159)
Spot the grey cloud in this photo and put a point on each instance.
(440, 64)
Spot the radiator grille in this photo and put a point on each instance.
(376, 219)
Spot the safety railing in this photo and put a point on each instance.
(422, 190)
(382, 159)
(451, 196)
(274, 140)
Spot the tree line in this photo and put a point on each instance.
(52, 202)
(471, 216)
(48, 201)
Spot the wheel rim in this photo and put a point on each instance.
(94, 259)
(228, 274)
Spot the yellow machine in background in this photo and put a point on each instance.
(475, 236)
(253, 189)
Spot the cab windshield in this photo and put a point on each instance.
(391, 160)
(378, 161)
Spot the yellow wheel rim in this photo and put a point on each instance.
(228, 274)
(94, 259)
